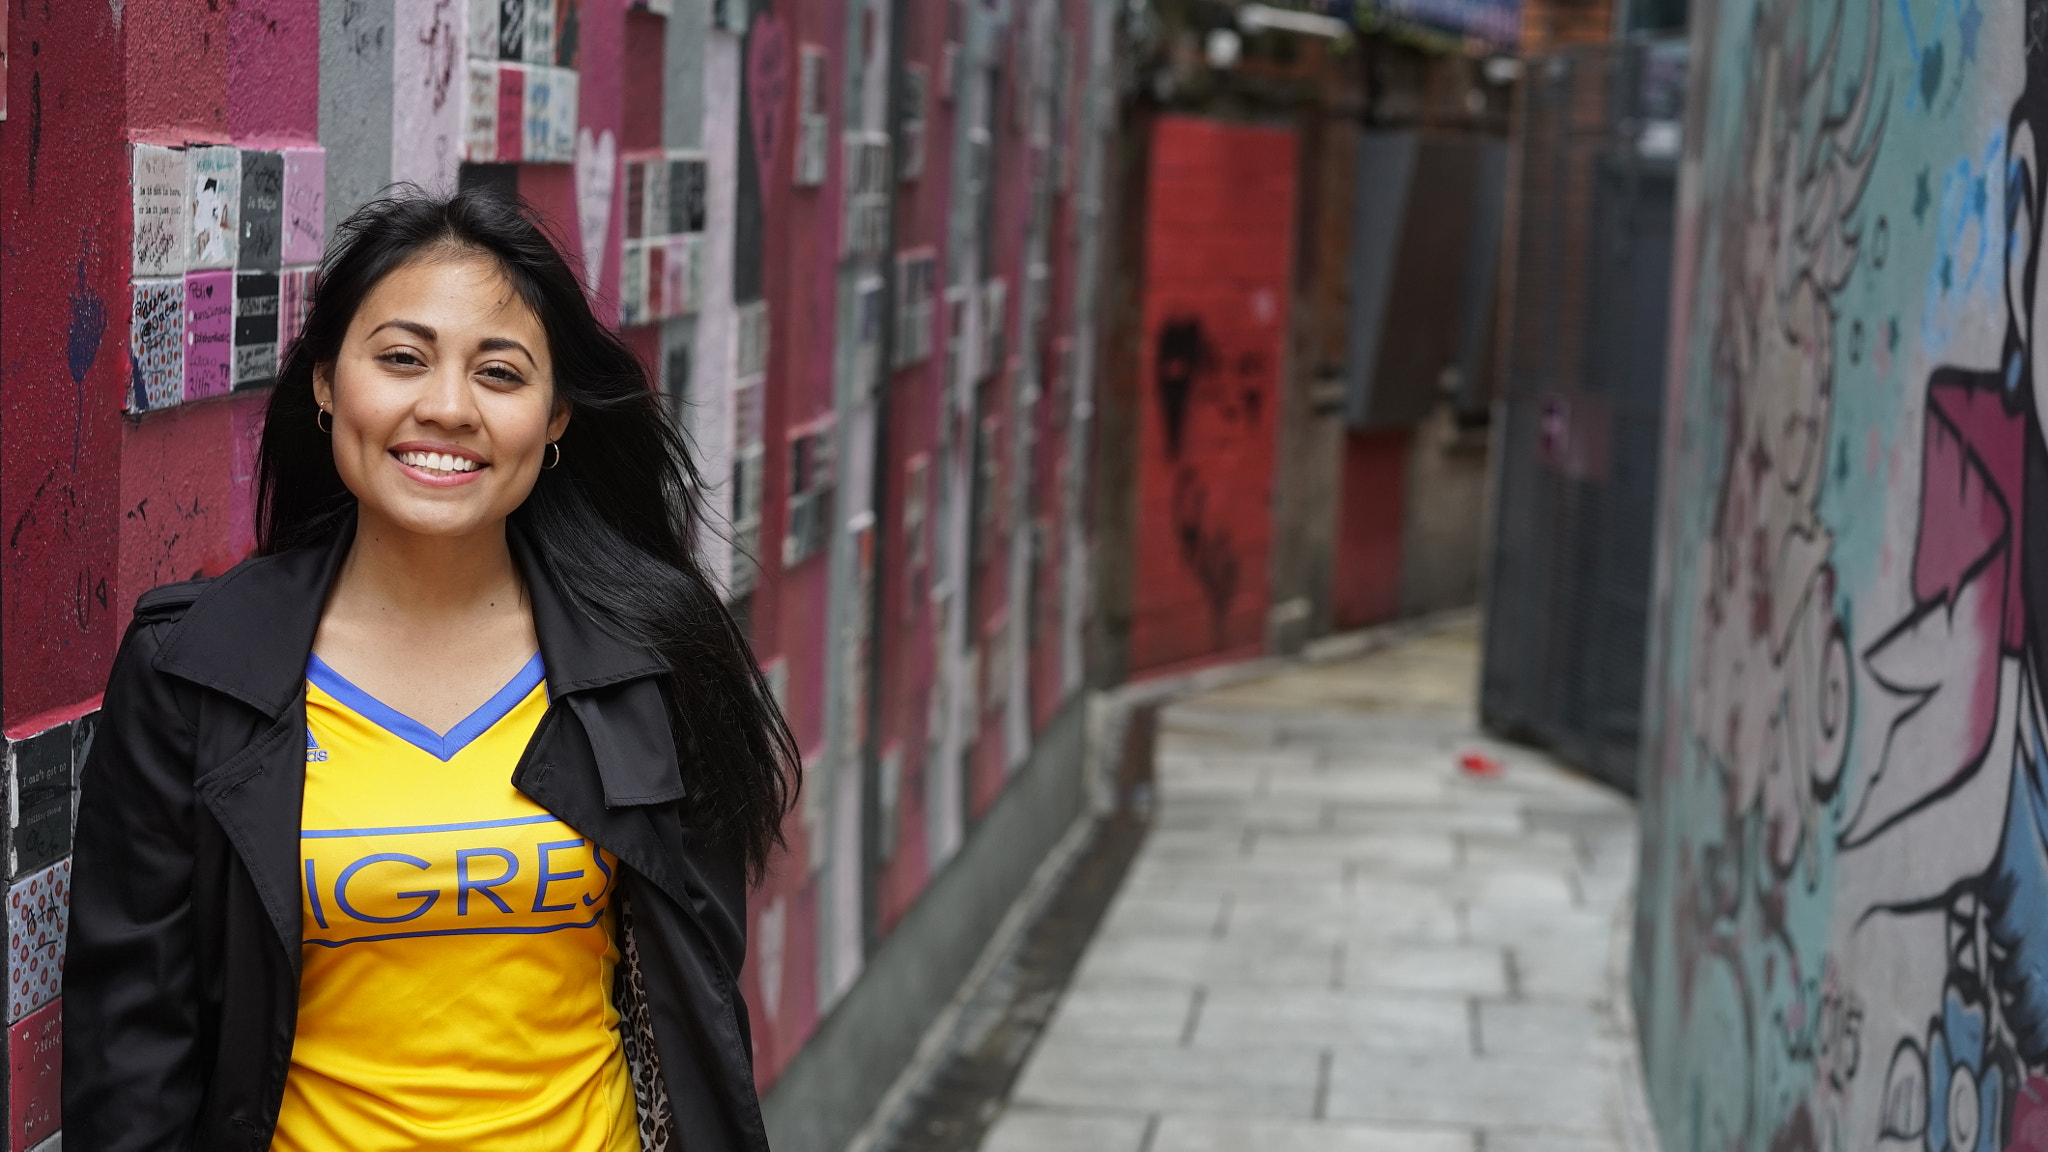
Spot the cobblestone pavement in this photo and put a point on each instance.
(1337, 939)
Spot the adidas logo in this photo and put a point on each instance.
(313, 750)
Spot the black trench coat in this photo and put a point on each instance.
(181, 983)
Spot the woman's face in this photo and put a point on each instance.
(443, 398)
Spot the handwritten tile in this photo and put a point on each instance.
(483, 30)
(655, 223)
(158, 186)
(40, 776)
(686, 179)
(480, 111)
(38, 913)
(256, 303)
(539, 126)
(633, 283)
(562, 116)
(511, 112)
(262, 239)
(305, 205)
(35, 1059)
(539, 48)
(209, 333)
(214, 183)
(294, 296)
(512, 30)
(156, 345)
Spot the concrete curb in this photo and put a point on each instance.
(1638, 1123)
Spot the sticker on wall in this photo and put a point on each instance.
(597, 167)
(38, 911)
(657, 264)
(480, 111)
(35, 1062)
(538, 117)
(655, 221)
(294, 297)
(214, 180)
(562, 109)
(483, 30)
(305, 205)
(209, 333)
(512, 30)
(539, 47)
(262, 242)
(41, 801)
(256, 302)
(686, 194)
(632, 284)
(156, 345)
(158, 185)
(679, 276)
(511, 113)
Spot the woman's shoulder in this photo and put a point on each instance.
(167, 602)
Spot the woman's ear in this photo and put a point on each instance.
(558, 423)
(323, 385)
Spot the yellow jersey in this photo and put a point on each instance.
(458, 952)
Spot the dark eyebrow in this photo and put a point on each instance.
(414, 327)
(505, 344)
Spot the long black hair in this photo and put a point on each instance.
(613, 524)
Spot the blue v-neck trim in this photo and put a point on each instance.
(390, 719)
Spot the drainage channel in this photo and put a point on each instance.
(1001, 1021)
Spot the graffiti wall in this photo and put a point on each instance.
(1843, 927)
(1217, 281)
(852, 241)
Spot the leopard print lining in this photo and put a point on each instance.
(636, 1036)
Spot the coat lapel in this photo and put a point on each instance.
(602, 760)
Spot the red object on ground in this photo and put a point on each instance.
(1479, 764)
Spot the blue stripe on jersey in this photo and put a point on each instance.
(412, 731)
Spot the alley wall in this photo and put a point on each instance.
(853, 240)
(1841, 936)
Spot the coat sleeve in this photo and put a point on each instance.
(131, 1072)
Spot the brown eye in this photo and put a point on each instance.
(401, 359)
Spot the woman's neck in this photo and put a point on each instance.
(399, 574)
(430, 625)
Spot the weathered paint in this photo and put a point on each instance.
(1840, 935)
(63, 365)
(1216, 288)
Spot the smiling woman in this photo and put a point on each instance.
(500, 902)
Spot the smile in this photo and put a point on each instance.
(438, 463)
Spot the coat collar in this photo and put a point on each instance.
(249, 633)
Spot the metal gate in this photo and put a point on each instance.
(1582, 390)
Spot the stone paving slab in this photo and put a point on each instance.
(1336, 940)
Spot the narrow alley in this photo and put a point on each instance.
(1338, 936)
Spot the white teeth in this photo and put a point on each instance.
(438, 461)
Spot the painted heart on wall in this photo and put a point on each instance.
(597, 169)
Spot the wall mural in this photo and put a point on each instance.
(1841, 938)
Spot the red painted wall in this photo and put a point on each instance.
(63, 361)
(1219, 233)
(1367, 589)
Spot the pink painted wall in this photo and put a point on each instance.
(177, 70)
(273, 72)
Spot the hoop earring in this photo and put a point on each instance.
(326, 425)
(557, 446)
